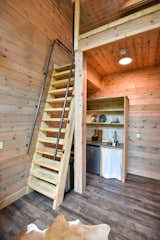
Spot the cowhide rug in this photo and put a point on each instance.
(63, 230)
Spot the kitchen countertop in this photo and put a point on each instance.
(104, 144)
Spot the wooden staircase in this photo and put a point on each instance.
(48, 175)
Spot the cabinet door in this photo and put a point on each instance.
(111, 163)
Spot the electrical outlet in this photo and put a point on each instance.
(1, 145)
(138, 135)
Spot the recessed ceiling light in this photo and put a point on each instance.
(125, 60)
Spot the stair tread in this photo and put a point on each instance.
(47, 129)
(53, 100)
(59, 83)
(43, 187)
(44, 174)
(61, 90)
(62, 74)
(49, 151)
(55, 109)
(50, 140)
(48, 163)
(53, 119)
(62, 68)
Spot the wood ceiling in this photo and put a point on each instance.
(95, 13)
(143, 48)
(65, 6)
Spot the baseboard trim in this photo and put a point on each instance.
(147, 174)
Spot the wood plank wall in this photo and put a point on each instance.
(143, 89)
(26, 30)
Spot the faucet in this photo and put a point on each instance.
(115, 138)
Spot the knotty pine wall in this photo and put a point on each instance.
(26, 30)
(143, 90)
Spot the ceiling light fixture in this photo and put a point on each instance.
(125, 60)
(123, 51)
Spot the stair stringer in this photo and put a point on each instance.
(29, 189)
(62, 176)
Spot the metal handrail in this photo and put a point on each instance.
(64, 106)
(61, 44)
(58, 42)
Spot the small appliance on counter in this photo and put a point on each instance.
(94, 138)
(97, 135)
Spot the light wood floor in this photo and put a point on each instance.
(131, 209)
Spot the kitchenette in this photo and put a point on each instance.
(107, 123)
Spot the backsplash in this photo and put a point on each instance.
(107, 133)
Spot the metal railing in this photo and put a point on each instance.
(62, 45)
(64, 105)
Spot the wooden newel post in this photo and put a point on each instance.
(80, 121)
(80, 108)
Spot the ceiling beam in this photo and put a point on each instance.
(133, 24)
(93, 77)
(131, 4)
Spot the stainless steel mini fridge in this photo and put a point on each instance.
(93, 159)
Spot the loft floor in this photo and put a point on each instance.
(131, 209)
